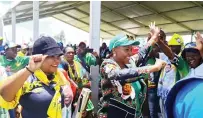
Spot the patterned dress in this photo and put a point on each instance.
(131, 93)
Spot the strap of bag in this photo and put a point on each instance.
(83, 63)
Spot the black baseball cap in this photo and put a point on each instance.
(47, 46)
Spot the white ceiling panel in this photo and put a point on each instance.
(162, 6)
(52, 2)
(76, 14)
(116, 4)
(139, 31)
(138, 11)
(22, 7)
(195, 25)
(134, 11)
(151, 18)
(87, 19)
(125, 24)
(107, 27)
(187, 14)
(77, 23)
(63, 17)
(109, 17)
(105, 35)
(172, 28)
(86, 8)
(85, 28)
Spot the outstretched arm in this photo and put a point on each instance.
(122, 74)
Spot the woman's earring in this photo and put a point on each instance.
(114, 54)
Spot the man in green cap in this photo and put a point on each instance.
(173, 51)
(175, 70)
(10, 60)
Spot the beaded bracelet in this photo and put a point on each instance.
(29, 70)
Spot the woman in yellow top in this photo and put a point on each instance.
(40, 88)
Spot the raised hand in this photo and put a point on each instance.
(36, 61)
(199, 41)
(154, 31)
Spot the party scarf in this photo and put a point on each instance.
(54, 110)
(77, 70)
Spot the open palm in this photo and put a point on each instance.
(154, 30)
(199, 41)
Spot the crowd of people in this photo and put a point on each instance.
(162, 79)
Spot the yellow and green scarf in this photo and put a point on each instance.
(77, 70)
(54, 110)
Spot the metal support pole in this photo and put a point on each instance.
(35, 20)
(192, 35)
(95, 17)
(94, 74)
(13, 25)
(1, 27)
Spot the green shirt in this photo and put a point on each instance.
(89, 59)
(16, 64)
(182, 67)
(154, 77)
